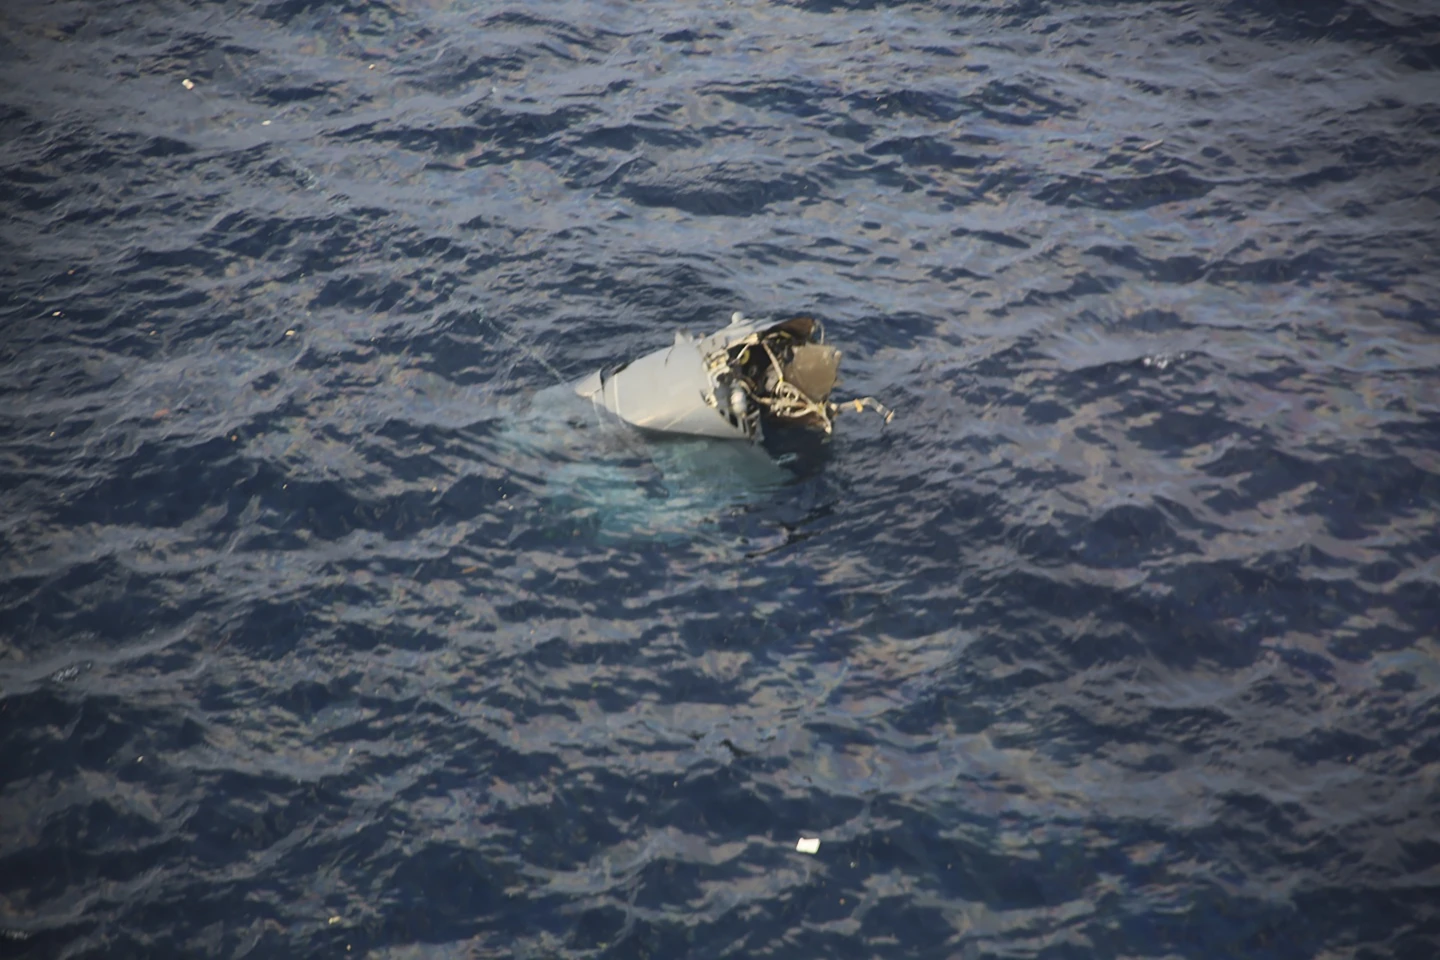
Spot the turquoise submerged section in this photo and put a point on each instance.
(589, 472)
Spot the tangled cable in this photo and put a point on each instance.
(784, 400)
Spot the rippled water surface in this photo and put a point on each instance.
(323, 632)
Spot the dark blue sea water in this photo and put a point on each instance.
(320, 635)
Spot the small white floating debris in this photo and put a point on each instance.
(808, 845)
(188, 84)
(289, 333)
(264, 123)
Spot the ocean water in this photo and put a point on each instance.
(320, 637)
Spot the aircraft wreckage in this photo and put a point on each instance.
(737, 383)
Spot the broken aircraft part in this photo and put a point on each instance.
(681, 471)
(732, 384)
